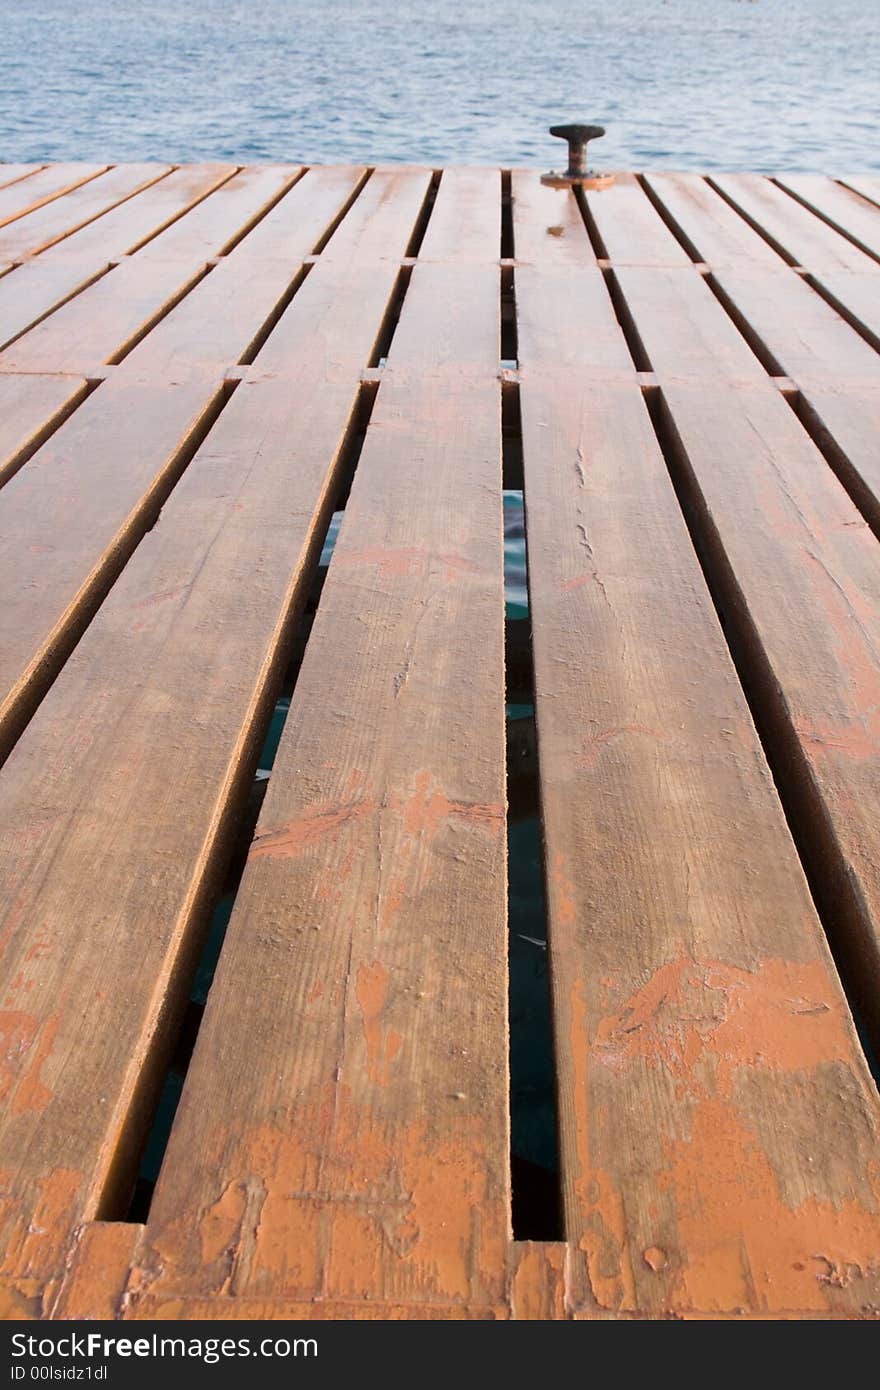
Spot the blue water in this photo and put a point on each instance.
(770, 84)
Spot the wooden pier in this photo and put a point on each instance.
(198, 366)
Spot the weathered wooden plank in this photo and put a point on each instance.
(141, 751)
(106, 319)
(98, 1272)
(465, 222)
(857, 297)
(537, 1280)
(838, 373)
(61, 216)
(215, 325)
(367, 1157)
(314, 338)
(18, 199)
(148, 214)
(682, 327)
(11, 173)
(806, 607)
(845, 422)
(844, 209)
(798, 235)
(631, 228)
(42, 283)
(718, 1125)
(30, 408)
(549, 224)
(803, 332)
(71, 516)
(718, 235)
(868, 185)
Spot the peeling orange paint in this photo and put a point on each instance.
(784, 1016)
(311, 828)
(32, 1093)
(427, 809)
(601, 1216)
(742, 1247)
(566, 912)
(18, 1032)
(354, 1205)
(372, 993)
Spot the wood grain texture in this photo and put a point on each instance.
(367, 1157)
(98, 1272)
(632, 230)
(465, 222)
(16, 200)
(801, 330)
(718, 235)
(537, 1280)
(868, 185)
(30, 408)
(42, 283)
(836, 371)
(214, 326)
(857, 297)
(61, 216)
(700, 1027)
(136, 220)
(143, 750)
(801, 237)
(71, 517)
(12, 173)
(847, 211)
(800, 573)
(683, 328)
(549, 226)
(103, 322)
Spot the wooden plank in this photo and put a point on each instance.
(683, 329)
(139, 219)
(867, 185)
(43, 283)
(12, 173)
(837, 372)
(537, 1284)
(70, 518)
(102, 323)
(97, 1276)
(802, 332)
(549, 225)
(849, 213)
(718, 235)
(844, 420)
(717, 1119)
(631, 229)
(142, 750)
(58, 218)
(807, 572)
(30, 408)
(367, 1157)
(18, 199)
(857, 297)
(214, 326)
(797, 234)
(465, 223)
(218, 222)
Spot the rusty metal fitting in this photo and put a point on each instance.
(577, 173)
